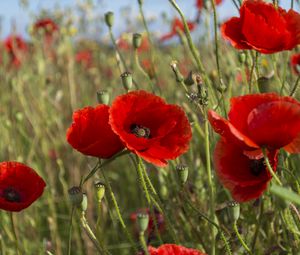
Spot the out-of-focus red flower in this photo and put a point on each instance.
(16, 48)
(46, 26)
(150, 127)
(20, 186)
(147, 65)
(91, 134)
(255, 121)
(278, 29)
(159, 218)
(84, 58)
(173, 249)
(295, 63)
(176, 26)
(200, 3)
(245, 177)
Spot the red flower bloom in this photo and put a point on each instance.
(261, 120)
(173, 249)
(20, 186)
(200, 3)
(295, 62)
(278, 30)
(255, 121)
(91, 134)
(150, 127)
(46, 26)
(151, 227)
(176, 26)
(245, 177)
(16, 47)
(84, 57)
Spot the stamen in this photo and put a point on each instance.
(11, 195)
(140, 131)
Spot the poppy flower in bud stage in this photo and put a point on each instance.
(278, 29)
(254, 122)
(173, 249)
(200, 3)
(176, 26)
(16, 48)
(124, 43)
(151, 128)
(91, 134)
(295, 63)
(20, 186)
(159, 218)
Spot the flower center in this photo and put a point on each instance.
(140, 131)
(257, 166)
(11, 195)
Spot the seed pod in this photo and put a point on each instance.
(100, 189)
(233, 209)
(109, 19)
(103, 97)
(183, 172)
(136, 40)
(127, 80)
(142, 221)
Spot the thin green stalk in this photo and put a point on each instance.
(70, 231)
(254, 63)
(295, 86)
(270, 167)
(210, 184)
(143, 243)
(258, 224)
(13, 228)
(241, 239)
(139, 169)
(292, 4)
(90, 233)
(120, 218)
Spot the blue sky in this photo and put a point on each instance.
(11, 12)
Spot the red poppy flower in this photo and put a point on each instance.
(159, 218)
(20, 186)
(47, 26)
(173, 249)
(150, 127)
(176, 26)
(245, 177)
(261, 120)
(200, 3)
(295, 62)
(16, 48)
(84, 57)
(278, 30)
(91, 134)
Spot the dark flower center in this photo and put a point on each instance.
(11, 195)
(257, 166)
(140, 131)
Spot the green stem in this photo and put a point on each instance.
(13, 227)
(90, 233)
(143, 243)
(210, 183)
(270, 167)
(70, 231)
(119, 215)
(261, 212)
(241, 238)
(254, 63)
(295, 86)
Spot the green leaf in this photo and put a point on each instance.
(285, 194)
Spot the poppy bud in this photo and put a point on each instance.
(75, 196)
(136, 40)
(103, 97)
(266, 84)
(183, 172)
(190, 79)
(84, 202)
(109, 19)
(140, 2)
(242, 57)
(142, 221)
(127, 80)
(100, 189)
(178, 75)
(233, 209)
